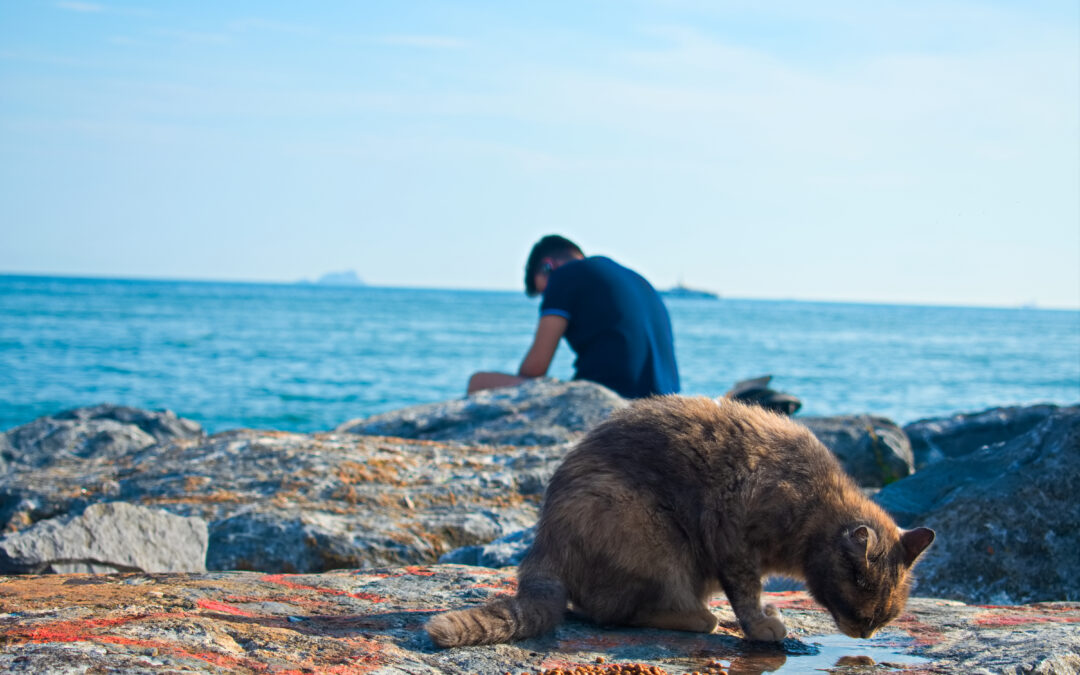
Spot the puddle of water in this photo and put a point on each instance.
(822, 653)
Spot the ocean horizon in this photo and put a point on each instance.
(326, 281)
(304, 356)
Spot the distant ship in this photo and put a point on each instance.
(683, 291)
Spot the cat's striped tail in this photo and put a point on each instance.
(537, 608)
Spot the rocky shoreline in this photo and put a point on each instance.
(154, 502)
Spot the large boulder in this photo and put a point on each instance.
(541, 411)
(108, 537)
(371, 621)
(873, 450)
(933, 440)
(1007, 517)
(282, 502)
(102, 431)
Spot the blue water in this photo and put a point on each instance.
(307, 358)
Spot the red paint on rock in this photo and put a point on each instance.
(923, 634)
(991, 620)
(280, 580)
(84, 631)
(214, 606)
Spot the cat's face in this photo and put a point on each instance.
(864, 578)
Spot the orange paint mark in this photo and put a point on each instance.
(280, 580)
(416, 570)
(508, 584)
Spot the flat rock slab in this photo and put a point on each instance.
(108, 537)
(371, 622)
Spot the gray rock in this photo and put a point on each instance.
(99, 432)
(163, 425)
(506, 551)
(108, 537)
(539, 412)
(933, 440)
(873, 450)
(1007, 517)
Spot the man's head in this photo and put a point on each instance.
(546, 255)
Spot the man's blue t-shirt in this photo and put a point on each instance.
(618, 326)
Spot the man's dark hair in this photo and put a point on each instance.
(551, 246)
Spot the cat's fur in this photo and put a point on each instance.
(674, 499)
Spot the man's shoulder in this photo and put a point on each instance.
(598, 265)
(596, 272)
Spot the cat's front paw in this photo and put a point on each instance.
(767, 628)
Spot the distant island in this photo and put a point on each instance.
(683, 291)
(344, 278)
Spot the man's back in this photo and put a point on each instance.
(617, 325)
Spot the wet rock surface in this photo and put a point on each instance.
(371, 621)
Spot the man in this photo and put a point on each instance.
(612, 317)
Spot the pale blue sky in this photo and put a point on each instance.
(915, 151)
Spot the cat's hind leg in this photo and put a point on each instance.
(700, 620)
(683, 606)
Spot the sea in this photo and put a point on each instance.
(309, 357)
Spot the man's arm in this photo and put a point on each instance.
(548, 333)
(536, 363)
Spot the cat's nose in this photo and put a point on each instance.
(868, 632)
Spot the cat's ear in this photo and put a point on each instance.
(915, 542)
(862, 539)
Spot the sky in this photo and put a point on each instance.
(896, 151)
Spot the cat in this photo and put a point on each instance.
(673, 499)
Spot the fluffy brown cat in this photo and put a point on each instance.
(673, 499)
